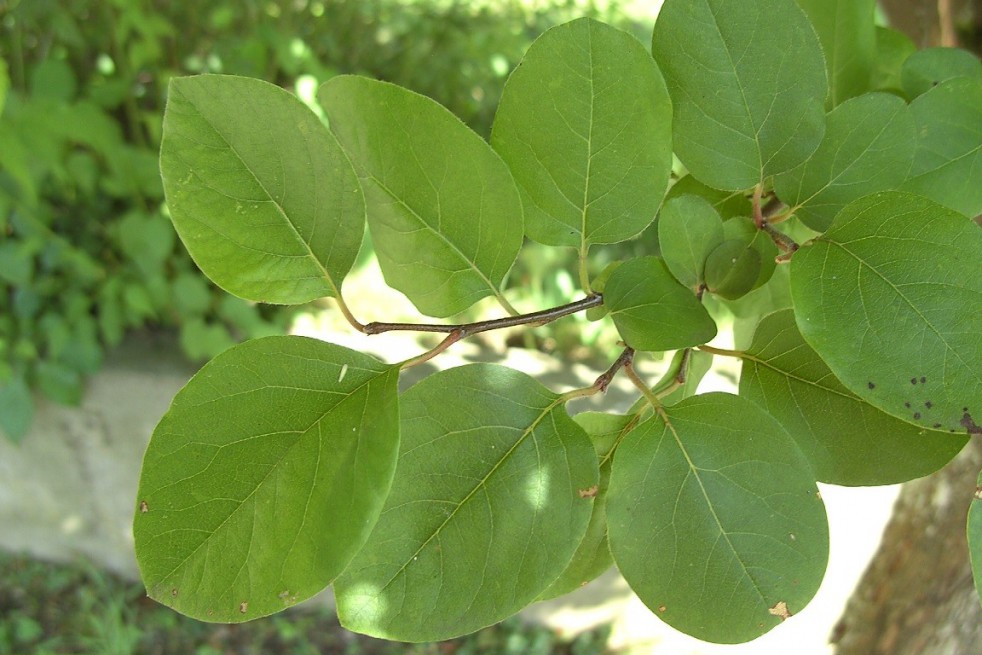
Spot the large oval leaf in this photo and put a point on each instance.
(891, 298)
(585, 125)
(689, 229)
(444, 212)
(927, 68)
(491, 498)
(260, 192)
(714, 519)
(868, 146)
(847, 440)
(265, 477)
(746, 106)
(948, 163)
(652, 310)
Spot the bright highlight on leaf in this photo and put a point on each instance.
(443, 209)
(847, 441)
(258, 189)
(891, 298)
(746, 106)
(714, 518)
(585, 125)
(265, 477)
(485, 511)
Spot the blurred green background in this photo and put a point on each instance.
(86, 250)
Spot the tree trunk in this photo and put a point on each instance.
(917, 597)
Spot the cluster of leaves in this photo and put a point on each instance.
(830, 176)
(87, 250)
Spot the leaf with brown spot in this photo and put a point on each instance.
(780, 609)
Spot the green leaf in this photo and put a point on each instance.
(745, 106)
(847, 440)
(488, 505)
(4, 84)
(201, 340)
(948, 163)
(928, 68)
(584, 124)
(869, 146)
(191, 295)
(689, 228)
(652, 311)
(892, 50)
(59, 382)
(732, 268)
(16, 262)
(265, 477)
(891, 298)
(592, 556)
(444, 212)
(715, 520)
(16, 409)
(975, 535)
(848, 37)
(147, 239)
(744, 229)
(727, 203)
(260, 192)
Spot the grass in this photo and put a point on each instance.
(48, 609)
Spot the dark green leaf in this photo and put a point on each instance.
(259, 191)
(847, 440)
(444, 212)
(732, 268)
(265, 477)
(16, 409)
(652, 311)
(689, 228)
(585, 126)
(490, 500)
(745, 230)
(868, 147)
(948, 163)
(745, 106)
(714, 519)
(928, 68)
(848, 37)
(891, 298)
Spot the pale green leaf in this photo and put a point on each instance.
(260, 192)
(948, 163)
(746, 106)
(727, 203)
(652, 310)
(16, 409)
(689, 228)
(891, 298)
(265, 477)
(975, 535)
(847, 440)
(444, 212)
(490, 500)
(892, 50)
(592, 556)
(927, 68)
(848, 37)
(714, 519)
(585, 126)
(868, 147)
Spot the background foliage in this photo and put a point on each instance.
(86, 250)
